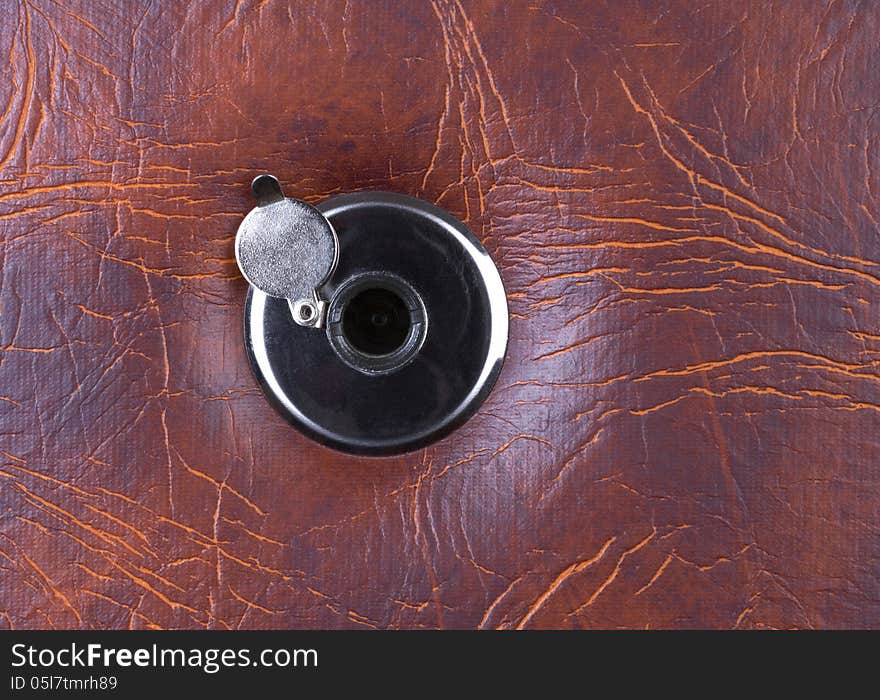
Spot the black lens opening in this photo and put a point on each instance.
(376, 321)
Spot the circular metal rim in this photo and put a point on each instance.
(257, 356)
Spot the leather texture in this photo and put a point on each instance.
(682, 199)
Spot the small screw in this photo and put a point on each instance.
(305, 313)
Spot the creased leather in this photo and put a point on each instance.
(683, 203)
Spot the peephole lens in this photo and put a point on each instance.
(376, 321)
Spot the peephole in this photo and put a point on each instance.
(376, 323)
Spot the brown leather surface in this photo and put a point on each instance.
(683, 202)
